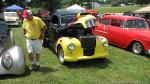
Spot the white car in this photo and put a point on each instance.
(12, 18)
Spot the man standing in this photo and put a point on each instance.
(34, 31)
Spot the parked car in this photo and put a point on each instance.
(129, 13)
(127, 32)
(69, 45)
(11, 56)
(12, 18)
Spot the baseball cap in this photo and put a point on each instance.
(26, 13)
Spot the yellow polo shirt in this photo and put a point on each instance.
(33, 28)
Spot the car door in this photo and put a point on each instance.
(115, 31)
(117, 34)
(101, 28)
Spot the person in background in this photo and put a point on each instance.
(19, 12)
(33, 28)
(148, 21)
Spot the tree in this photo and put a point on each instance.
(51, 5)
(11, 2)
(141, 2)
(88, 3)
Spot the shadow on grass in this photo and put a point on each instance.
(146, 55)
(46, 70)
(97, 63)
(12, 76)
(129, 51)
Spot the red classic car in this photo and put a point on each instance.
(126, 32)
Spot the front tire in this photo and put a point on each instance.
(60, 53)
(137, 48)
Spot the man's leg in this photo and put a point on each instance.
(37, 59)
(38, 48)
(31, 54)
(31, 57)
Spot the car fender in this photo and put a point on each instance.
(18, 66)
(65, 41)
(134, 40)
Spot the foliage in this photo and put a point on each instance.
(11, 2)
(86, 3)
(115, 3)
(51, 5)
(141, 2)
(128, 1)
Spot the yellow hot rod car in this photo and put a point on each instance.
(75, 43)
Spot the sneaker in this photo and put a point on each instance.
(32, 67)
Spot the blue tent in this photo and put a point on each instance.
(14, 7)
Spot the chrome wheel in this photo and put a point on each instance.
(137, 48)
(61, 55)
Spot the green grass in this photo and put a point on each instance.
(121, 66)
(117, 9)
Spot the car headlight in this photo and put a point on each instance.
(105, 44)
(71, 46)
(7, 60)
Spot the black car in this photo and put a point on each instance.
(58, 26)
(75, 43)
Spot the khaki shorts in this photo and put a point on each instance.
(34, 46)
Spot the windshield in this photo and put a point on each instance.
(136, 24)
(66, 19)
(90, 23)
(3, 32)
(11, 14)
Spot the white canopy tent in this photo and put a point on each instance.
(143, 10)
(75, 7)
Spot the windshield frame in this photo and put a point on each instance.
(66, 22)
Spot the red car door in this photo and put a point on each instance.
(117, 34)
(101, 29)
(113, 31)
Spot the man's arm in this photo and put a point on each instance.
(24, 31)
(42, 32)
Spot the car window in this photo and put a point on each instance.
(66, 19)
(116, 22)
(3, 32)
(90, 23)
(3, 28)
(104, 21)
(135, 24)
(54, 19)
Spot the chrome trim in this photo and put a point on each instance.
(101, 31)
